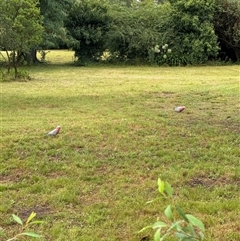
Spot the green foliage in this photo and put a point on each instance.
(227, 28)
(20, 25)
(134, 31)
(87, 23)
(185, 25)
(129, 31)
(23, 227)
(54, 13)
(127, 3)
(163, 55)
(188, 228)
(193, 38)
(20, 29)
(21, 75)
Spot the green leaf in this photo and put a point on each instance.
(181, 236)
(168, 213)
(151, 201)
(159, 224)
(14, 238)
(168, 189)
(37, 222)
(196, 222)
(201, 235)
(31, 216)
(157, 235)
(190, 230)
(182, 214)
(164, 236)
(187, 239)
(2, 234)
(30, 234)
(145, 228)
(176, 225)
(17, 219)
(179, 227)
(160, 186)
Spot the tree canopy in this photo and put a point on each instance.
(173, 32)
(87, 24)
(54, 13)
(193, 36)
(227, 28)
(20, 28)
(133, 32)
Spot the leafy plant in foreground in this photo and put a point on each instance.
(23, 227)
(189, 228)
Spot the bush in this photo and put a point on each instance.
(11, 75)
(87, 24)
(23, 228)
(185, 25)
(193, 39)
(131, 34)
(187, 228)
(134, 31)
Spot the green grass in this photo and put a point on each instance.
(119, 133)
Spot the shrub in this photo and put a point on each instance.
(188, 228)
(194, 40)
(10, 75)
(23, 228)
(134, 31)
(87, 24)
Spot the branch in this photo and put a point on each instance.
(229, 43)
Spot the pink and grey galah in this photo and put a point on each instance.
(54, 132)
(180, 108)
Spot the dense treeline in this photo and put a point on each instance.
(173, 32)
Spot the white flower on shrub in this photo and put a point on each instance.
(156, 49)
(165, 46)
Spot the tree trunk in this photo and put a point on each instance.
(30, 57)
(15, 64)
(237, 53)
(9, 62)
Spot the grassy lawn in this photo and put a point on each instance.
(119, 133)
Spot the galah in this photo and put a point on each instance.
(54, 132)
(180, 108)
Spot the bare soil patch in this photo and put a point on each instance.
(208, 182)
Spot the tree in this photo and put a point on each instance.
(134, 31)
(54, 13)
(193, 40)
(20, 29)
(177, 33)
(227, 28)
(127, 3)
(87, 24)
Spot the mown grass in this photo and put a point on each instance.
(119, 134)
